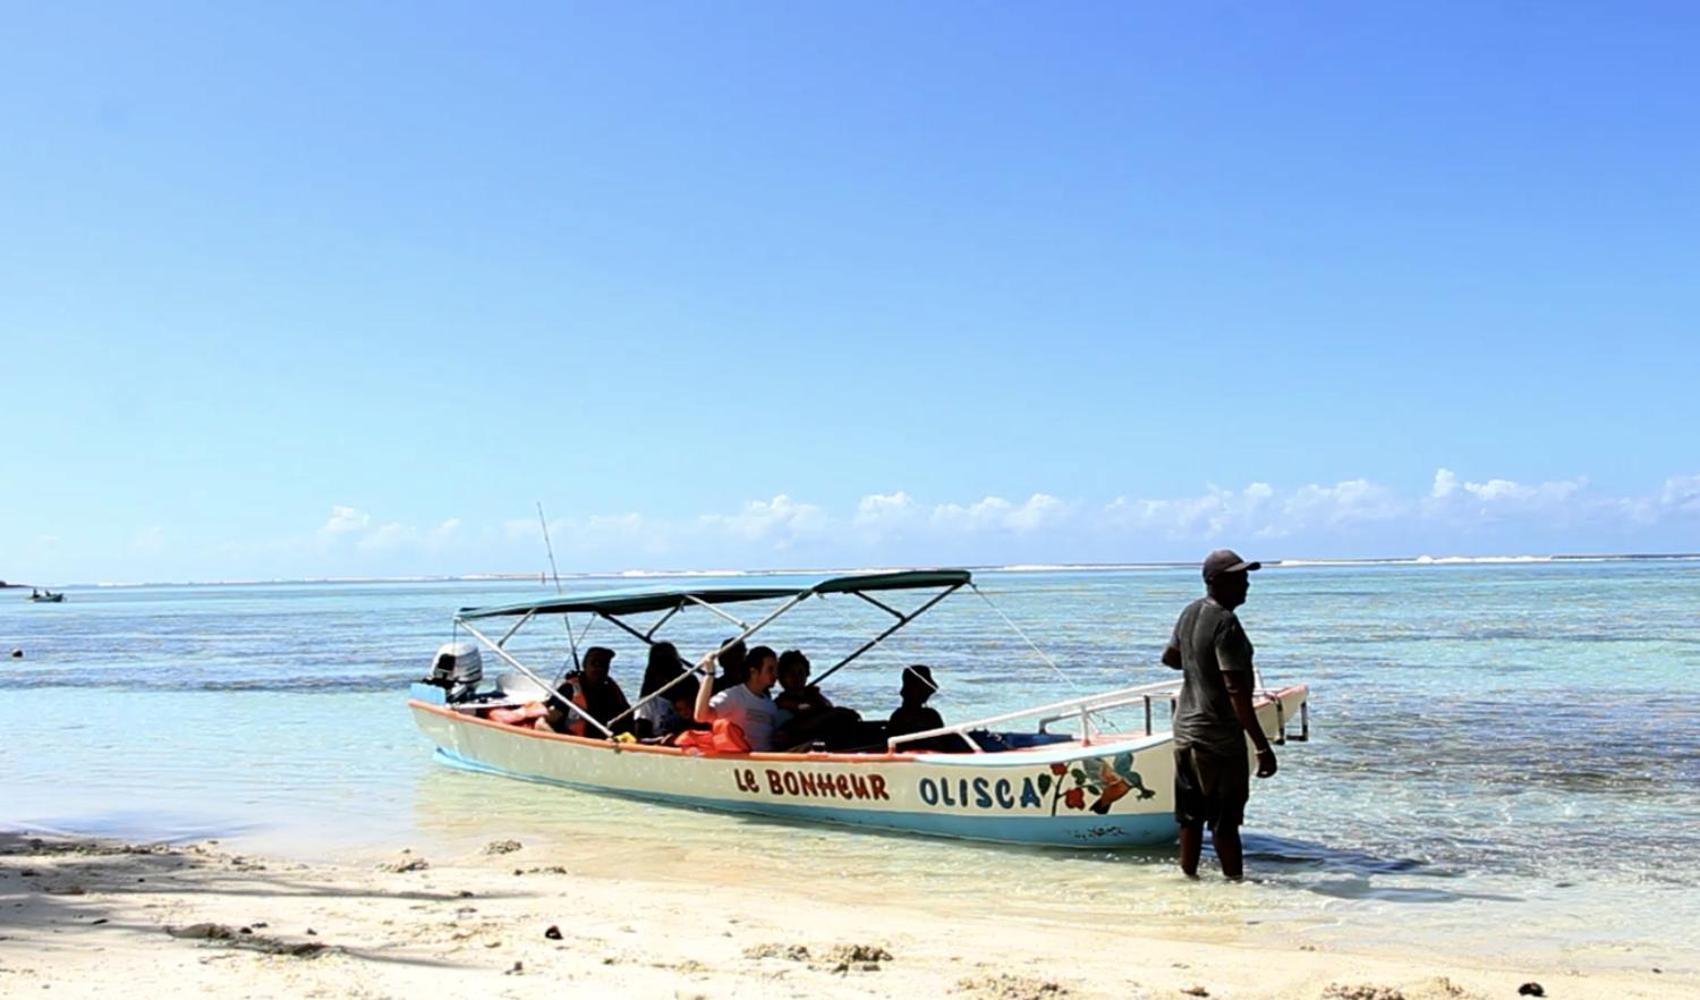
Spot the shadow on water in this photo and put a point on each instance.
(1304, 855)
(1349, 874)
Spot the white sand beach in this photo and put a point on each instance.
(94, 918)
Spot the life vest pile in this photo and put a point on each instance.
(725, 736)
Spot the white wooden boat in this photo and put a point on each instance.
(1072, 778)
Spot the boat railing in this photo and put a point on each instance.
(1145, 701)
(1083, 709)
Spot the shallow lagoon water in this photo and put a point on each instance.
(1505, 759)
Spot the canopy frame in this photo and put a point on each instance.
(672, 602)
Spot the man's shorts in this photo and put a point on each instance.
(1210, 788)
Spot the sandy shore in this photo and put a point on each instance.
(86, 918)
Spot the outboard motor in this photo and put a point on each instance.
(457, 668)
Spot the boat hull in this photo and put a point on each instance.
(1115, 792)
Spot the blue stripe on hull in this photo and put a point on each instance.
(1092, 831)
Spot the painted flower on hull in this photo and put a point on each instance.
(1107, 779)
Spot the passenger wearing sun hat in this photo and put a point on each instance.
(1214, 715)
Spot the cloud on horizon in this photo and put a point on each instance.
(1352, 518)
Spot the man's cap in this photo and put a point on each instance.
(1226, 561)
(596, 651)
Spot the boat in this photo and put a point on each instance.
(1074, 773)
(47, 597)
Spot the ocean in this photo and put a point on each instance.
(1504, 761)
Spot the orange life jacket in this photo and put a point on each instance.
(576, 726)
(725, 736)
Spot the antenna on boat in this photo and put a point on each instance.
(566, 620)
(548, 546)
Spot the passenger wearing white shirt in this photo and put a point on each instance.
(745, 705)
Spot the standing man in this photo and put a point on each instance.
(1214, 716)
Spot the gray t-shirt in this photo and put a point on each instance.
(1211, 643)
(755, 714)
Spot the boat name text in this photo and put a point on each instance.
(980, 793)
(806, 784)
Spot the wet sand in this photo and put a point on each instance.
(86, 918)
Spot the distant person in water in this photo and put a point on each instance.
(732, 669)
(1214, 716)
(592, 690)
(746, 705)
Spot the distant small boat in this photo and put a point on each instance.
(47, 597)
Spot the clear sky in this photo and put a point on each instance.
(330, 289)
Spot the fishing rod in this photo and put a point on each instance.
(548, 546)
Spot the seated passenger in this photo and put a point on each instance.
(744, 705)
(733, 670)
(592, 690)
(659, 716)
(796, 694)
(813, 716)
(913, 716)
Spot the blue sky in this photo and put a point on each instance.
(343, 289)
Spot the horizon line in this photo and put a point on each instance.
(1296, 562)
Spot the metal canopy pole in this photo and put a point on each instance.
(902, 620)
(888, 609)
(552, 695)
(699, 602)
(748, 630)
(509, 634)
(664, 620)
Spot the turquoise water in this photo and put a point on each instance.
(1505, 757)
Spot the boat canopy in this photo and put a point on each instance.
(640, 601)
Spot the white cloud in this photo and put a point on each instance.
(1352, 501)
(881, 509)
(1469, 504)
(1681, 494)
(995, 514)
(345, 520)
(1491, 515)
(780, 521)
(1040, 510)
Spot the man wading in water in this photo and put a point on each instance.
(1214, 716)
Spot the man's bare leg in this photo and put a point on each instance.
(1226, 840)
(1192, 844)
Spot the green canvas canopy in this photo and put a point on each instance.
(632, 602)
